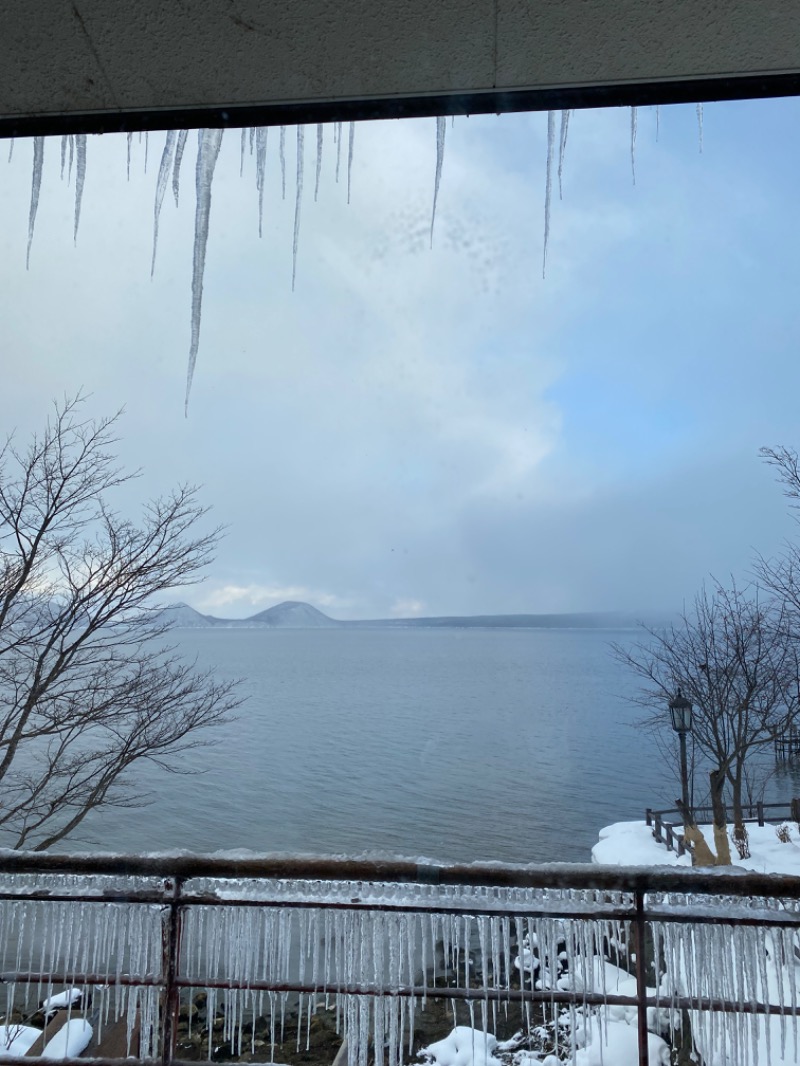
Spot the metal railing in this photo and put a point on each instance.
(152, 931)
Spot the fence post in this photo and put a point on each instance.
(657, 830)
(648, 816)
(668, 827)
(641, 980)
(171, 949)
(760, 812)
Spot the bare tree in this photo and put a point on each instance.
(87, 689)
(735, 658)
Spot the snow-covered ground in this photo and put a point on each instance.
(632, 844)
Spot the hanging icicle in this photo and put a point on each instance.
(71, 157)
(548, 189)
(337, 136)
(167, 160)
(11, 149)
(634, 124)
(176, 170)
(297, 202)
(63, 154)
(562, 149)
(441, 129)
(319, 160)
(208, 146)
(261, 171)
(350, 142)
(700, 126)
(80, 178)
(36, 184)
(130, 142)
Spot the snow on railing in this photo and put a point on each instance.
(567, 954)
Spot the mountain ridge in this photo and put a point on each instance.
(294, 614)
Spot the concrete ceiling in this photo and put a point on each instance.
(92, 65)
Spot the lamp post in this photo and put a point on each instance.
(680, 710)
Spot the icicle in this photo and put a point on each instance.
(130, 142)
(167, 157)
(36, 184)
(700, 125)
(241, 155)
(350, 142)
(176, 170)
(71, 157)
(208, 146)
(441, 129)
(261, 170)
(80, 178)
(10, 149)
(283, 161)
(63, 154)
(634, 124)
(337, 136)
(297, 202)
(548, 190)
(319, 160)
(146, 149)
(562, 148)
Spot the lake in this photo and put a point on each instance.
(452, 744)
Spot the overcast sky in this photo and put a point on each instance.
(439, 431)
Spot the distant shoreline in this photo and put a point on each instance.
(295, 615)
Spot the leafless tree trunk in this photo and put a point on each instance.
(87, 689)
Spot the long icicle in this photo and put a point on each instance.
(319, 160)
(167, 157)
(441, 129)
(700, 125)
(208, 146)
(634, 126)
(562, 149)
(176, 170)
(36, 184)
(297, 203)
(350, 143)
(548, 188)
(261, 172)
(11, 150)
(80, 178)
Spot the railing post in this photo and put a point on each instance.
(668, 827)
(172, 951)
(648, 816)
(641, 980)
(657, 829)
(760, 812)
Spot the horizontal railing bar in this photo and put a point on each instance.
(676, 914)
(488, 875)
(511, 995)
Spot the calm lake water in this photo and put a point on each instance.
(514, 745)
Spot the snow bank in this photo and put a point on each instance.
(17, 1040)
(632, 844)
(70, 1041)
(618, 1045)
(62, 999)
(463, 1047)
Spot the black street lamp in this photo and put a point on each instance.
(680, 710)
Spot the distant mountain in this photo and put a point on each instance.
(182, 616)
(294, 615)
